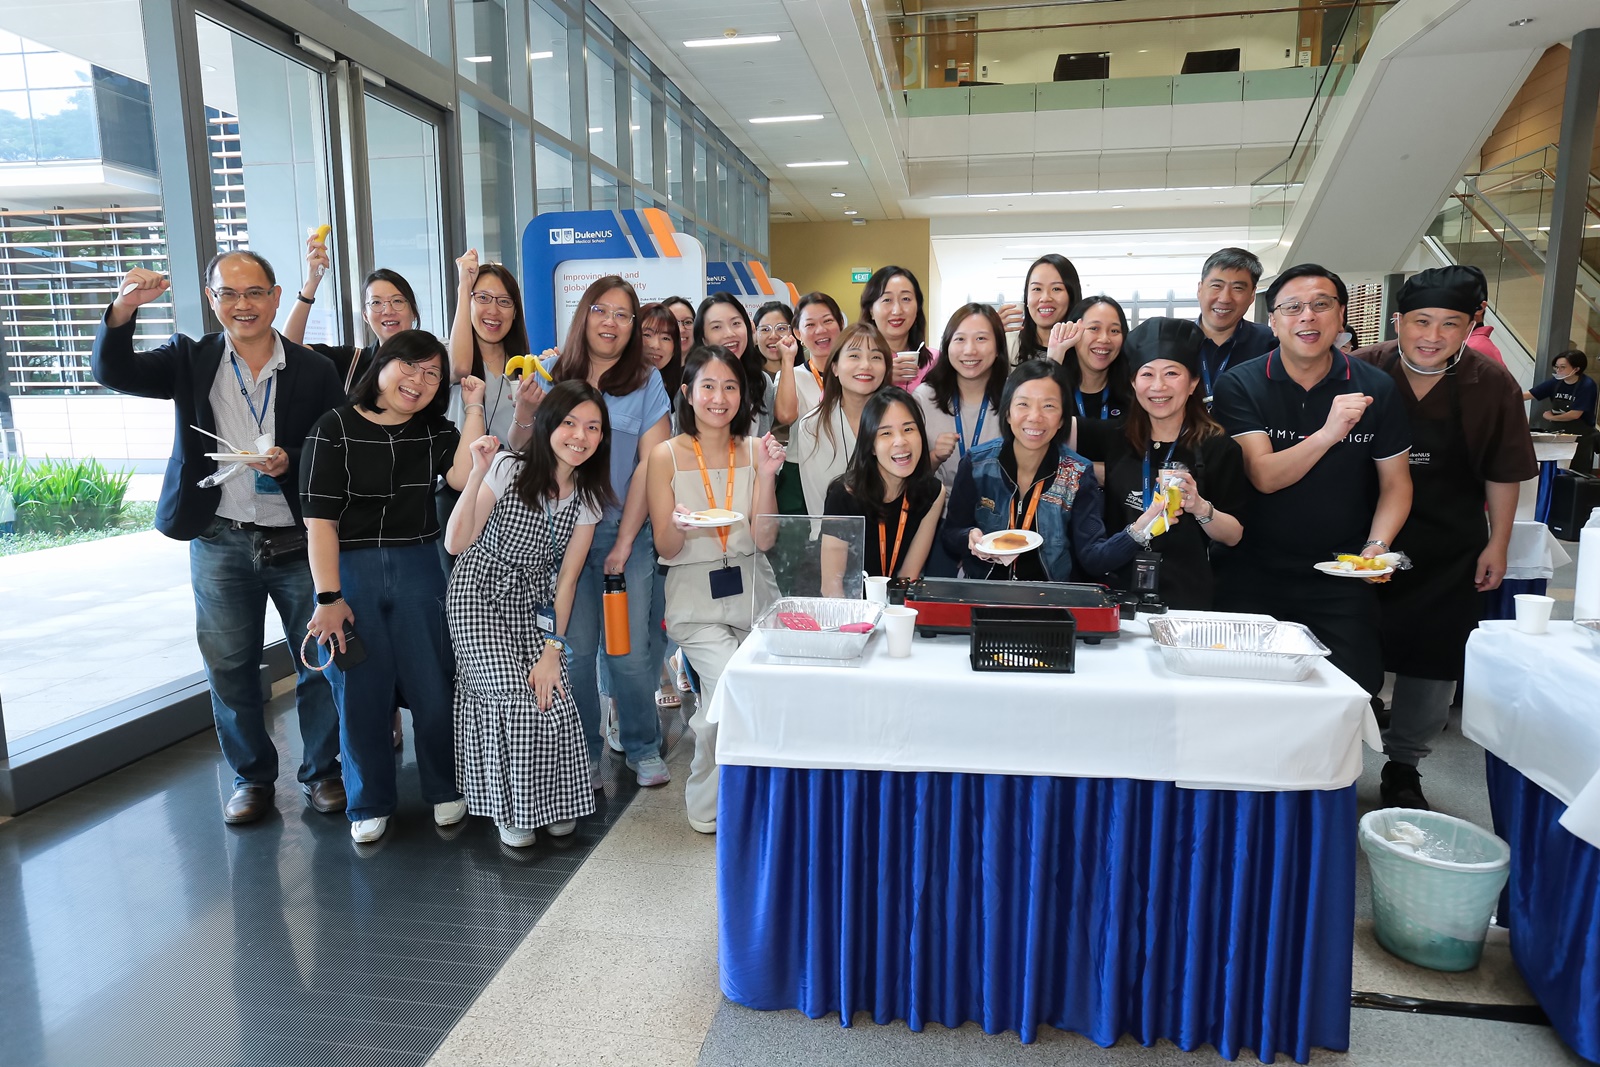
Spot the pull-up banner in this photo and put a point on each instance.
(564, 251)
(750, 283)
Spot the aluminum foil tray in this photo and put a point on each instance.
(1591, 627)
(1238, 648)
(810, 644)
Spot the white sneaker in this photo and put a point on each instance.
(450, 812)
(517, 838)
(703, 827)
(561, 829)
(613, 726)
(364, 831)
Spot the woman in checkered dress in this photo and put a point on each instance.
(522, 529)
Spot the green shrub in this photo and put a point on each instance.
(60, 496)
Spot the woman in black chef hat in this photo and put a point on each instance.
(1168, 427)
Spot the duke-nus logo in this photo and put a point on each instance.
(563, 237)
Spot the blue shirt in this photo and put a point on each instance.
(1579, 396)
(630, 416)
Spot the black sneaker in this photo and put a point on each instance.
(1401, 787)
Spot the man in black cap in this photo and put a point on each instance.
(1469, 448)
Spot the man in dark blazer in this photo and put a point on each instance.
(242, 519)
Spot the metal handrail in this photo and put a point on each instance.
(1316, 100)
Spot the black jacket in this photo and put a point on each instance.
(183, 370)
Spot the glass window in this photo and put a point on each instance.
(602, 191)
(552, 172)
(674, 157)
(403, 171)
(406, 19)
(64, 124)
(602, 104)
(481, 44)
(641, 127)
(56, 70)
(488, 188)
(11, 75)
(702, 203)
(602, 25)
(721, 211)
(547, 58)
(16, 127)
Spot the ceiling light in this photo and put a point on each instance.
(1517, 24)
(836, 193)
(718, 42)
(597, 129)
(1115, 206)
(479, 59)
(633, 127)
(994, 209)
(822, 163)
(851, 211)
(787, 118)
(542, 55)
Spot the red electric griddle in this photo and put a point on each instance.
(944, 605)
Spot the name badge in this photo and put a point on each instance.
(265, 484)
(544, 617)
(726, 582)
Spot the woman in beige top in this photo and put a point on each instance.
(824, 438)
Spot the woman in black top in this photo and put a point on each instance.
(387, 305)
(366, 488)
(1094, 372)
(890, 483)
(1169, 424)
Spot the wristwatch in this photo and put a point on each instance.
(1209, 516)
(332, 596)
(1144, 537)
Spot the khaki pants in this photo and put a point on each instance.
(709, 647)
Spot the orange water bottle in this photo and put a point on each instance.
(614, 605)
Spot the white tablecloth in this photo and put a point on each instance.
(1534, 551)
(1544, 452)
(1122, 715)
(1534, 701)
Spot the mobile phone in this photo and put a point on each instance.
(355, 651)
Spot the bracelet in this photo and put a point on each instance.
(1384, 544)
(469, 407)
(304, 299)
(1143, 539)
(525, 425)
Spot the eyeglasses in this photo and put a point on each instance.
(778, 329)
(1320, 305)
(255, 294)
(397, 303)
(430, 375)
(618, 315)
(485, 298)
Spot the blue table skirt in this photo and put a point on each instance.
(1552, 905)
(1100, 906)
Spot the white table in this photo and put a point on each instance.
(1545, 452)
(1534, 552)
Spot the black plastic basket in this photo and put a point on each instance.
(1040, 640)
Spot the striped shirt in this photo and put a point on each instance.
(376, 481)
(240, 499)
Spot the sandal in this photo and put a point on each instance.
(681, 673)
(665, 699)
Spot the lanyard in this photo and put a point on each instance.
(1227, 356)
(705, 476)
(266, 398)
(815, 373)
(1105, 403)
(883, 538)
(1033, 506)
(1149, 486)
(977, 431)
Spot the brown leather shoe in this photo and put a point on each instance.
(326, 795)
(248, 803)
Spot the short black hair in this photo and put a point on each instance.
(698, 357)
(1575, 359)
(1307, 270)
(1232, 259)
(408, 346)
(255, 257)
(1032, 371)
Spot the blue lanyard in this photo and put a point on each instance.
(1149, 486)
(977, 431)
(1105, 403)
(1227, 356)
(266, 399)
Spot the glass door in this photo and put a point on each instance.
(406, 190)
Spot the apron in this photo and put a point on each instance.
(1430, 610)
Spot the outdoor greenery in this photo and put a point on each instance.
(137, 517)
(57, 497)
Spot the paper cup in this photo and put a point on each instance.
(900, 624)
(1533, 612)
(878, 590)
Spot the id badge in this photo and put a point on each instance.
(726, 582)
(544, 617)
(265, 484)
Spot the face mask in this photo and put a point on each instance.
(1342, 340)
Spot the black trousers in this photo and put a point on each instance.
(1342, 612)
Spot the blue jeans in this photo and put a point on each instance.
(633, 678)
(230, 602)
(397, 597)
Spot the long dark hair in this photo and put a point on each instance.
(832, 387)
(918, 338)
(942, 376)
(1032, 371)
(1198, 425)
(1119, 378)
(699, 356)
(631, 370)
(384, 274)
(516, 342)
(408, 346)
(754, 362)
(863, 477)
(536, 480)
(660, 317)
(1028, 346)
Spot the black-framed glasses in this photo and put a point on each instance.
(430, 375)
(485, 298)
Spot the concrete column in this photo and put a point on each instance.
(1567, 210)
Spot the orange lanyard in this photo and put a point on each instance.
(1033, 506)
(705, 476)
(883, 538)
(814, 373)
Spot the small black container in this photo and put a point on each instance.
(1029, 640)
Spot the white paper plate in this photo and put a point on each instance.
(711, 524)
(986, 544)
(237, 457)
(1331, 566)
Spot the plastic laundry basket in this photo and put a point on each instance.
(1429, 910)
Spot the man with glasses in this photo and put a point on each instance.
(257, 394)
(1326, 448)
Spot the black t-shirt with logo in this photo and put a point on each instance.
(1329, 510)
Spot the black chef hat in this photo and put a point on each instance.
(1454, 287)
(1163, 338)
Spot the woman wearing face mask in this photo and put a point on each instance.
(823, 440)
(523, 529)
(388, 306)
(721, 320)
(1094, 371)
(892, 301)
(1030, 480)
(604, 349)
(1169, 424)
(889, 483)
(960, 397)
(1050, 290)
(713, 463)
(366, 481)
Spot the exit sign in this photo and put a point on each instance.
(859, 275)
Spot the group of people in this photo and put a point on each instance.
(377, 485)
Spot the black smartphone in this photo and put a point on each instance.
(355, 651)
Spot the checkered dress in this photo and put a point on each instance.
(517, 764)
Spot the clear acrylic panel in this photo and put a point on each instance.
(811, 556)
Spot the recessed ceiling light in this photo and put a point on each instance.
(541, 55)
(787, 118)
(718, 42)
(994, 209)
(1115, 206)
(823, 163)
(836, 193)
(479, 59)
(851, 211)
(1517, 24)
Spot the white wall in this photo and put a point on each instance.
(112, 429)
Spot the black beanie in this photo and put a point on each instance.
(1455, 288)
(1163, 338)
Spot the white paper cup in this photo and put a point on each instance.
(878, 590)
(1533, 612)
(905, 365)
(900, 624)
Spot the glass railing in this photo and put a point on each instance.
(1030, 44)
